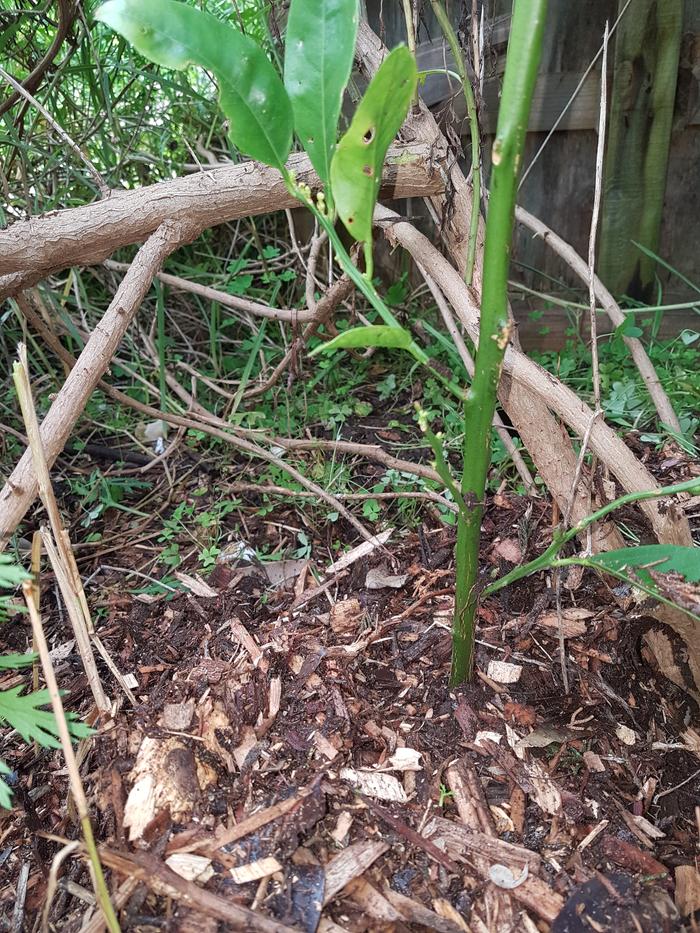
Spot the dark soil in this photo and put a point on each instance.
(385, 799)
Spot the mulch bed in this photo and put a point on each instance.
(297, 759)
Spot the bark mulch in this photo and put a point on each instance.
(297, 760)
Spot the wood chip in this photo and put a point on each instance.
(378, 579)
(509, 550)
(503, 672)
(626, 735)
(241, 634)
(196, 585)
(687, 894)
(375, 784)
(191, 867)
(593, 762)
(177, 717)
(403, 759)
(342, 827)
(544, 791)
(349, 864)
(590, 837)
(346, 616)
(572, 621)
(362, 550)
(629, 856)
(324, 746)
(372, 903)
(254, 871)
(413, 912)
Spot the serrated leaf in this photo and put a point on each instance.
(319, 50)
(23, 713)
(5, 792)
(372, 335)
(661, 558)
(16, 660)
(356, 169)
(252, 95)
(10, 573)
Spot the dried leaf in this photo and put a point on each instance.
(377, 579)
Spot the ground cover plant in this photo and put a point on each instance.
(219, 478)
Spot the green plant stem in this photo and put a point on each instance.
(618, 574)
(524, 49)
(410, 37)
(547, 558)
(365, 285)
(98, 879)
(446, 26)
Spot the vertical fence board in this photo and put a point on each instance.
(647, 50)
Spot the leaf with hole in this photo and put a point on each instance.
(356, 169)
(372, 335)
(252, 95)
(319, 50)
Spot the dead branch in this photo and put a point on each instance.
(236, 302)
(66, 13)
(520, 375)
(543, 436)
(21, 488)
(82, 236)
(612, 309)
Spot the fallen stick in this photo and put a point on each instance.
(21, 488)
(521, 375)
(83, 236)
(646, 369)
(543, 436)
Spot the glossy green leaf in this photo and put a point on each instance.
(252, 95)
(356, 169)
(373, 335)
(319, 50)
(661, 558)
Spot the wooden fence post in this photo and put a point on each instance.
(647, 46)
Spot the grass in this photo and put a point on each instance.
(104, 96)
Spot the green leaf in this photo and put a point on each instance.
(319, 50)
(34, 724)
(16, 660)
(252, 95)
(661, 558)
(10, 573)
(373, 335)
(5, 792)
(629, 328)
(356, 169)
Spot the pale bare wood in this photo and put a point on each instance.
(82, 236)
(349, 864)
(150, 871)
(465, 785)
(522, 376)
(541, 433)
(21, 488)
(612, 309)
(485, 851)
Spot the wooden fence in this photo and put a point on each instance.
(652, 170)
